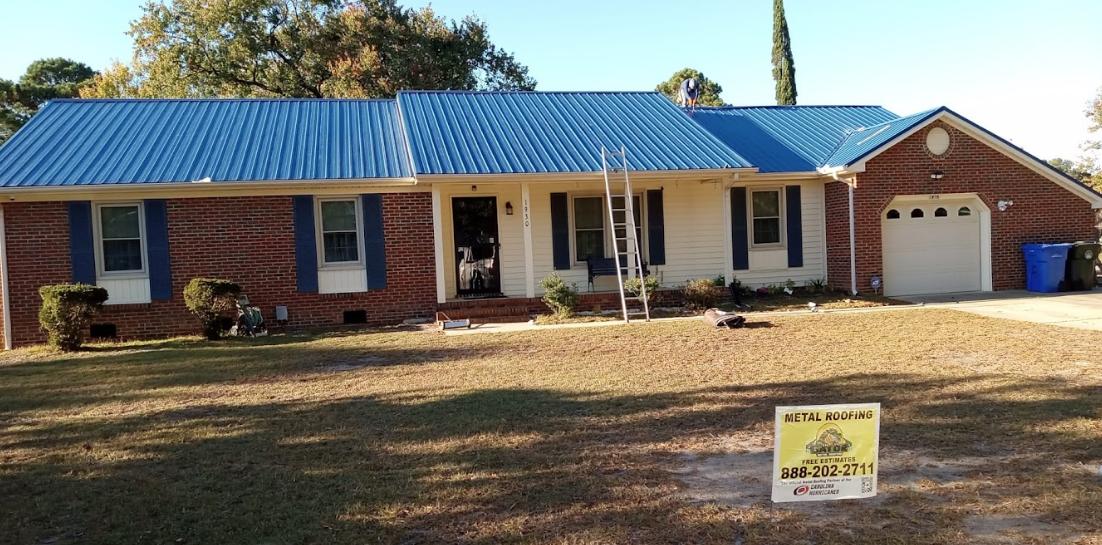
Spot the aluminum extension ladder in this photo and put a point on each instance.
(624, 247)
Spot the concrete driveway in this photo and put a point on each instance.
(1082, 310)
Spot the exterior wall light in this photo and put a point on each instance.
(508, 208)
(937, 175)
(1003, 204)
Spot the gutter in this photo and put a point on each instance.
(568, 177)
(202, 189)
(6, 303)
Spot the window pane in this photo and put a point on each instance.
(766, 203)
(122, 255)
(589, 243)
(587, 213)
(338, 215)
(917, 213)
(341, 247)
(767, 230)
(940, 213)
(893, 214)
(964, 211)
(119, 222)
(618, 204)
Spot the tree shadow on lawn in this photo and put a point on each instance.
(498, 466)
(134, 375)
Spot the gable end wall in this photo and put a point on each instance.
(1043, 211)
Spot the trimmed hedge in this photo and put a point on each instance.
(209, 299)
(66, 311)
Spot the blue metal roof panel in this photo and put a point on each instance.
(461, 132)
(862, 142)
(85, 142)
(788, 138)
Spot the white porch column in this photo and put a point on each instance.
(438, 244)
(529, 260)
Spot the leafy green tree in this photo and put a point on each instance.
(44, 80)
(306, 48)
(1081, 170)
(1094, 113)
(709, 90)
(784, 69)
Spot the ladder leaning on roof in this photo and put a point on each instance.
(625, 240)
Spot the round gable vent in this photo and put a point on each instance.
(937, 141)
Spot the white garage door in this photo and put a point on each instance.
(931, 247)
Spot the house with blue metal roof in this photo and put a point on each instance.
(377, 211)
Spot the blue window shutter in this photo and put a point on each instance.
(560, 231)
(156, 235)
(306, 247)
(795, 226)
(656, 229)
(740, 243)
(374, 244)
(82, 253)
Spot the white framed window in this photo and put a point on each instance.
(119, 230)
(592, 233)
(767, 217)
(340, 224)
(589, 228)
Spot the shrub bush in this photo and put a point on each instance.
(702, 293)
(66, 310)
(635, 286)
(816, 286)
(210, 299)
(561, 297)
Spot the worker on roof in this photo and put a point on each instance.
(690, 91)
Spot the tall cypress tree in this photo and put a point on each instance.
(784, 70)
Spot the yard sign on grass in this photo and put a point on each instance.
(826, 452)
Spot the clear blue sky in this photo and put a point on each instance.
(1024, 69)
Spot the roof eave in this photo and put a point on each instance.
(595, 176)
(202, 189)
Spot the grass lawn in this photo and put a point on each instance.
(991, 433)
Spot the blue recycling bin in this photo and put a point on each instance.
(1045, 266)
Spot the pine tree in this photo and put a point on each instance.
(784, 70)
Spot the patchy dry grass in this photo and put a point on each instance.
(557, 436)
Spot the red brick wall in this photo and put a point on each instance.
(1042, 212)
(837, 234)
(37, 238)
(249, 240)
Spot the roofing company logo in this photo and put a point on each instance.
(829, 441)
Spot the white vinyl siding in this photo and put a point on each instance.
(769, 265)
(695, 239)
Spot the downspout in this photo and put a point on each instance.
(852, 245)
(6, 303)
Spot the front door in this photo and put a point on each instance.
(477, 248)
